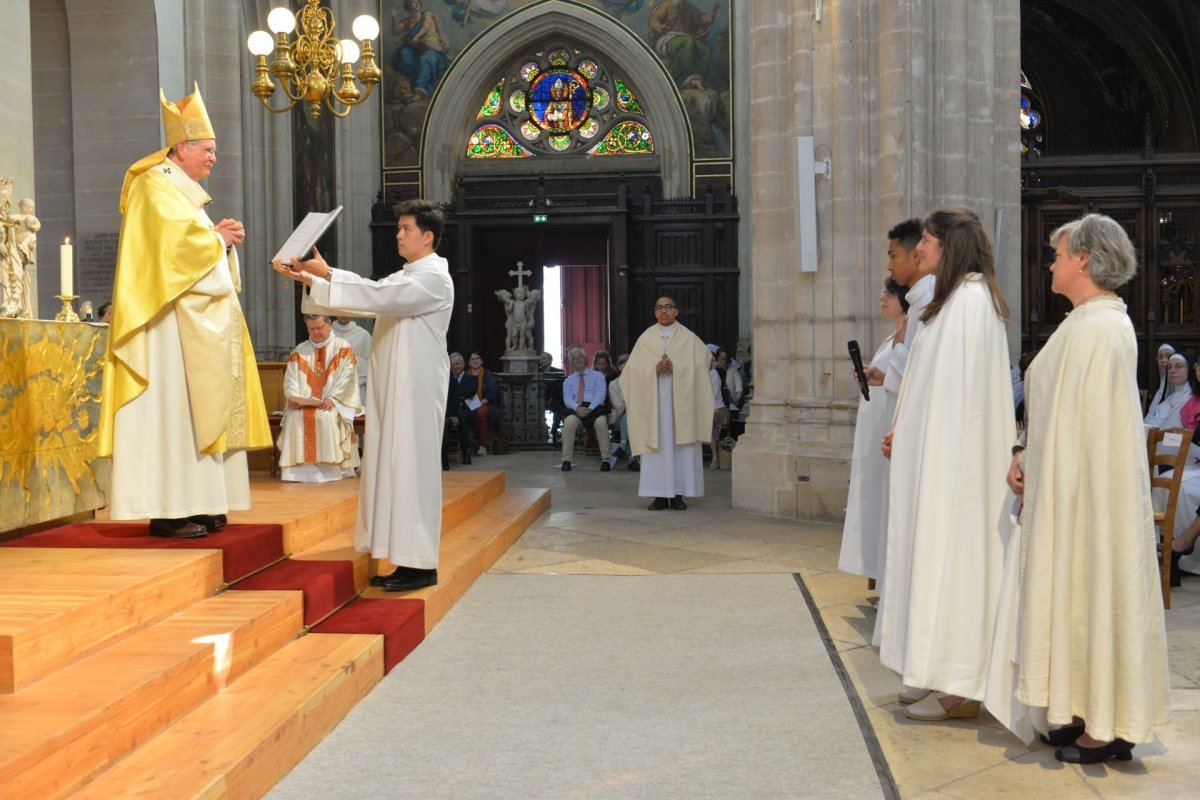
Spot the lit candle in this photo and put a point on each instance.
(67, 273)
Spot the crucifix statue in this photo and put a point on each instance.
(519, 306)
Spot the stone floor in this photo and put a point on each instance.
(598, 525)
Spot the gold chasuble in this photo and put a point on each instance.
(692, 395)
(165, 249)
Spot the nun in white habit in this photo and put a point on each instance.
(1165, 387)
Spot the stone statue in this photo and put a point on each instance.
(519, 307)
(17, 243)
(27, 231)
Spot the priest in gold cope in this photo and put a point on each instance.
(181, 402)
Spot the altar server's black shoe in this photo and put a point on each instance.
(659, 504)
(677, 503)
(212, 522)
(177, 529)
(416, 579)
(1119, 749)
(398, 572)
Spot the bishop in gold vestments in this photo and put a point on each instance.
(181, 401)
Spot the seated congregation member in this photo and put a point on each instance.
(1165, 414)
(457, 409)
(616, 405)
(359, 340)
(864, 535)
(1165, 388)
(1187, 508)
(585, 395)
(552, 380)
(316, 436)
(1080, 641)
(481, 394)
(720, 410)
(950, 449)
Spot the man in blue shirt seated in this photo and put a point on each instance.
(584, 394)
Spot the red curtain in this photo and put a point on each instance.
(584, 309)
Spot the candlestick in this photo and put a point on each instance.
(66, 255)
(67, 312)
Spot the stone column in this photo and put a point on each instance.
(914, 103)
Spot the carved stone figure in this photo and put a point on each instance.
(519, 307)
(17, 246)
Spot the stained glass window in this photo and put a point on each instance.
(560, 101)
(627, 137)
(492, 141)
(491, 105)
(1031, 120)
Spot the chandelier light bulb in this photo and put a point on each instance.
(260, 43)
(280, 20)
(365, 28)
(350, 51)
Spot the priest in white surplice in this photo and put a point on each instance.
(359, 339)
(950, 449)
(400, 499)
(181, 399)
(1080, 637)
(669, 405)
(316, 437)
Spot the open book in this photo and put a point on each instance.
(307, 233)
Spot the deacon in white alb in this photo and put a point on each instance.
(669, 405)
(400, 500)
(316, 438)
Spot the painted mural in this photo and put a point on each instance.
(421, 39)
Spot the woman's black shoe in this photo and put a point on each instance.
(1119, 749)
(1061, 737)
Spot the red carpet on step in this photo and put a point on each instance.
(326, 584)
(402, 623)
(245, 548)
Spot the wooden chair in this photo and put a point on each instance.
(1165, 519)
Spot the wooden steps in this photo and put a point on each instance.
(59, 604)
(243, 740)
(135, 680)
(65, 728)
(471, 548)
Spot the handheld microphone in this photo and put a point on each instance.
(856, 357)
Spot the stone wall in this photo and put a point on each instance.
(914, 102)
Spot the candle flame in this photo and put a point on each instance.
(67, 240)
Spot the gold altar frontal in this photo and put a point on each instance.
(50, 376)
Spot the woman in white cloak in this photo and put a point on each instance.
(864, 535)
(1080, 639)
(950, 446)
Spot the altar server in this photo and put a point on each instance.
(400, 500)
(950, 450)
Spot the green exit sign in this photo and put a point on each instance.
(540, 217)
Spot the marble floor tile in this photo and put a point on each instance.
(644, 556)
(517, 560)
(592, 566)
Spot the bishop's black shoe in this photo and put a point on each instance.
(1061, 737)
(412, 579)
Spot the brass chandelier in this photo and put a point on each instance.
(310, 67)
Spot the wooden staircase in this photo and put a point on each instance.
(127, 673)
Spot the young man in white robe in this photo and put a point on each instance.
(316, 438)
(950, 450)
(400, 497)
(904, 265)
(669, 406)
(359, 338)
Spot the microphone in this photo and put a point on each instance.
(856, 357)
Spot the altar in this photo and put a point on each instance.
(50, 376)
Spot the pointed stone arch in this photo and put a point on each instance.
(452, 110)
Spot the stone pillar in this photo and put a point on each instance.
(914, 102)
